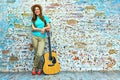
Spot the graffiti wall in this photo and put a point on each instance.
(85, 34)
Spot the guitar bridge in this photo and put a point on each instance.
(51, 65)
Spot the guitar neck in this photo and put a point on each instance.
(49, 42)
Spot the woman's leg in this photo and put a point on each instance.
(35, 45)
(41, 45)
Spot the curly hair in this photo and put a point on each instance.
(35, 16)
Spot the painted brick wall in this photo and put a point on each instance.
(85, 34)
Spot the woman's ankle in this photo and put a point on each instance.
(39, 69)
(34, 69)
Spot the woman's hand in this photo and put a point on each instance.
(47, 29)
(43, 30)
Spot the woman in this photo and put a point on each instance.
(40, 25)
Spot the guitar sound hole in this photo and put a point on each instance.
(53, 59)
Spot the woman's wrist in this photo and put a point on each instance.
(39, 29)
(44, 28)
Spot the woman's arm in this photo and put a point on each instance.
(47, 28)
(35, 29)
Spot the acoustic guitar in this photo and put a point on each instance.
(51, 64)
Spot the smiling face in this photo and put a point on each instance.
(37, 11)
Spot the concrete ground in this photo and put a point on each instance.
(112, 75)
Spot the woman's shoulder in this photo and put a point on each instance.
(46, 16)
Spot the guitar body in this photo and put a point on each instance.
(51, 66)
